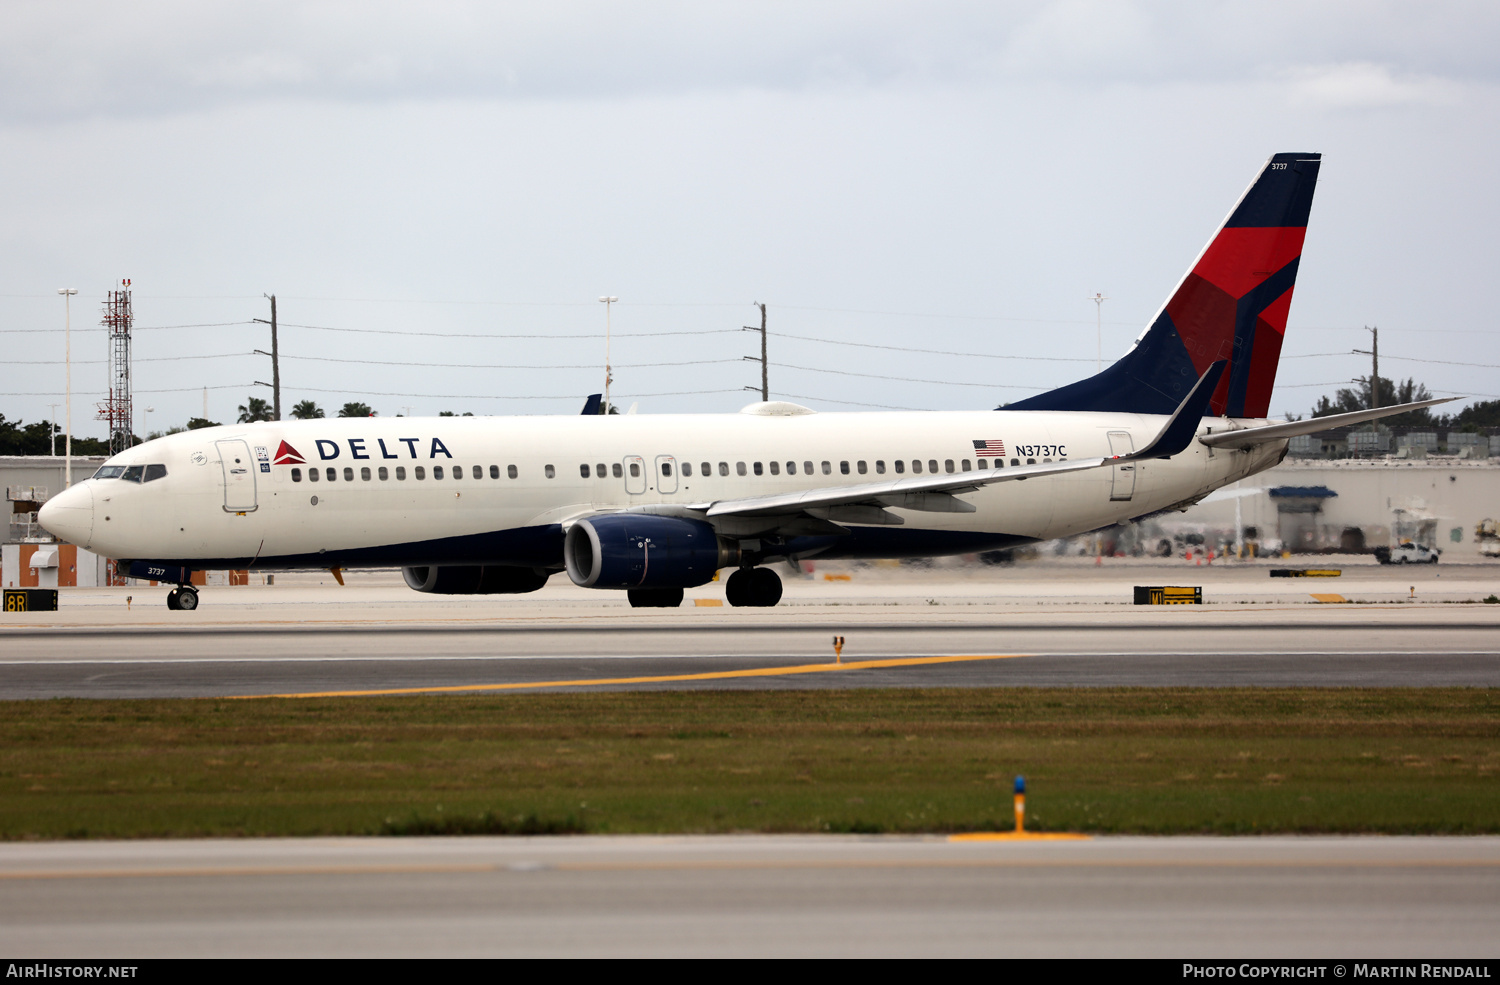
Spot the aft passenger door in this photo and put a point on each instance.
(1123, 485)
(239, 476)
(635, 475)
(666, 474)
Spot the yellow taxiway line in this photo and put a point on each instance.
(661, 679)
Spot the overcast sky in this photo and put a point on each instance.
(459, 182)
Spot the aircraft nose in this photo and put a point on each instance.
(69, 515)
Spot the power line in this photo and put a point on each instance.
(906, 379)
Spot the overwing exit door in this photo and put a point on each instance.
(635, 475)
(666, 474)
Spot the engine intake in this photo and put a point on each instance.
(487, 579)
(641, 550)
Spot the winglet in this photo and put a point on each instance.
(591, 406)
(1183, 424)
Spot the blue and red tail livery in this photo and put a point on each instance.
(1232, 305)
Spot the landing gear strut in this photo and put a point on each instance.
(754, 587)
(655, 598)
(183, 597)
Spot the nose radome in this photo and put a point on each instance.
(69, 515)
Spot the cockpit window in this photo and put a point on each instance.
(133, 473)
(109, 472)
(154, 472)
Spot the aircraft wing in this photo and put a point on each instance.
(1251, 436)
(866, 503)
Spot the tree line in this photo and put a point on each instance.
(1485, 414)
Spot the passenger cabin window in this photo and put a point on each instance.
(479, 472)
(154, 472)
(966, 466)
(666, 468)
(418, 472)
(1030, 461)
(916, 465)
(549, 471)
(984, 463)
(862, 468)
(775, 468)
(879, 467)
(600, 471)
(759, 469)
(947, 465)
(687, 468)
(828, 468)
(900, 466)
(583, 470)
(297, 474)
(332, 474)
(932, 465)
(706, 468)
(510, 470)
(843, 468)
(739, 468)
(723, 468)
(494, 471)
(364, 473)
(791, 468)
(401, 473)
(458, 471)
(635, 470)
(384, 473)
(437, 471)
(1015, 461)
(312, 475)
(348, 474)
(807, 468)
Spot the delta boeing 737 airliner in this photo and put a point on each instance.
(655, 504)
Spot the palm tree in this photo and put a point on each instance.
(356, 409)
(256, 410)
(307, 410)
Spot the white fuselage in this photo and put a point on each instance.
(508, 485)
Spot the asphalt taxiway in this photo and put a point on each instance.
(1265, 898)
(1038, 626)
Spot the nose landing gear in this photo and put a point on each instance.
(753, 587)
(183, 597)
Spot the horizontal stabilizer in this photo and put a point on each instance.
(1252, 436)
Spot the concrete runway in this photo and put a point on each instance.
(754, 896)
(1042, 626)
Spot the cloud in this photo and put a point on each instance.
(61, 60)
(1366, 85)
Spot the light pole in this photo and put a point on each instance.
(608, 375)
(52, 428)
(1099, 300)
(67, 293)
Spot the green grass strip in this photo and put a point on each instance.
(1136, 760)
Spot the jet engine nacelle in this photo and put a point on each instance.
(488, 579)
(642, 550)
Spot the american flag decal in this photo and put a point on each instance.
(989, 449)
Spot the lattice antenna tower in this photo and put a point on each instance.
(118, 409)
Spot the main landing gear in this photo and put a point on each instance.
(183, 597)
(655, 598)
(753, 586)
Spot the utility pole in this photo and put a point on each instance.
(765, 368)
(1374, 353)
(275, 355)
(608, 372)
(1099, 300)
(67, 293)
